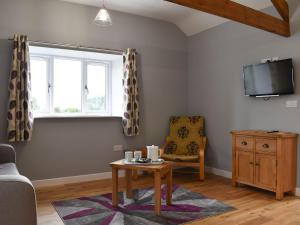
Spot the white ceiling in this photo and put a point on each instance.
(190, 21)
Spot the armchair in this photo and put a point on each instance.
(185, 145)
(17, 195)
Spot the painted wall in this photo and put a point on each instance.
(215, 87)
(196, 75)
(67, 147)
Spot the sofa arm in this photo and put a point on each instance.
(18, 202)
(7, 154)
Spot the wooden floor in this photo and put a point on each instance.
(254, 206)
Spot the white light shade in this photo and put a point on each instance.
(103, 18)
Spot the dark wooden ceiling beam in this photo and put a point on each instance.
(283, 9)
(239, 13)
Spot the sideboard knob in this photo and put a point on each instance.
(266, 146)
(244, 143)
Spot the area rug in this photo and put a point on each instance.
(186, 206)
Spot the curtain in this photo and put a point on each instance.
(19, 116)
(131, 94)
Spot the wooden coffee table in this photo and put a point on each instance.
(158, 170)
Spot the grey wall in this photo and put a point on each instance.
(196, 75)
(67, 147)
(215, 88)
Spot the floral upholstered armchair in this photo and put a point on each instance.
(185, 145)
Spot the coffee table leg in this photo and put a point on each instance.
(128, 180)
(115, 180)
(169, 187)
(157, 189)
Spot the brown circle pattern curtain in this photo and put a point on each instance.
(20, 118)
(131, 94)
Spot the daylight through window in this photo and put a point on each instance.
(71, 83)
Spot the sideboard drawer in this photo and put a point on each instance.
(244, 143)
(265, 145)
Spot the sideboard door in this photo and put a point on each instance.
(265, 171)
(245, 166)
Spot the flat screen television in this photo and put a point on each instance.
(271, 78)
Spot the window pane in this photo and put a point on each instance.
(96, 82)
(67, 86)
(39, 84)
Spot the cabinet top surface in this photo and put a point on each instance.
(262, 133)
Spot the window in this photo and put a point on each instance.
(39, 82)
(96, 97)
(75, 83)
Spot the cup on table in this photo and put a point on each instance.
(137, 154)
(128, 156)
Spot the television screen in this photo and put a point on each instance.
(271, 78)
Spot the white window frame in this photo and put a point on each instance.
(108, 85)
(84, 63)
(47, 59)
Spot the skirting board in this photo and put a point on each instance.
(102, 176)
(73, 179)
(228, 174)
(107, 175)
(222, 173)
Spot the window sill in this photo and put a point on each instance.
(73, 116)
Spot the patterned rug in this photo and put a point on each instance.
(98, 210)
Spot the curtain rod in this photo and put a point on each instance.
(73, 47)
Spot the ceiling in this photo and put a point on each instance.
(190, 21)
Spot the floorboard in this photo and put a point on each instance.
(254, 206)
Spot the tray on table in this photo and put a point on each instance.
(134, 162)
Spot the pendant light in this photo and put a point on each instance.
(103, 18)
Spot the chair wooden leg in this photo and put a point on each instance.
(202, 172)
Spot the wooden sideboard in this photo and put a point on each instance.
(265, 160)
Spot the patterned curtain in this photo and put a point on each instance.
(131, 94)
(20, 119)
